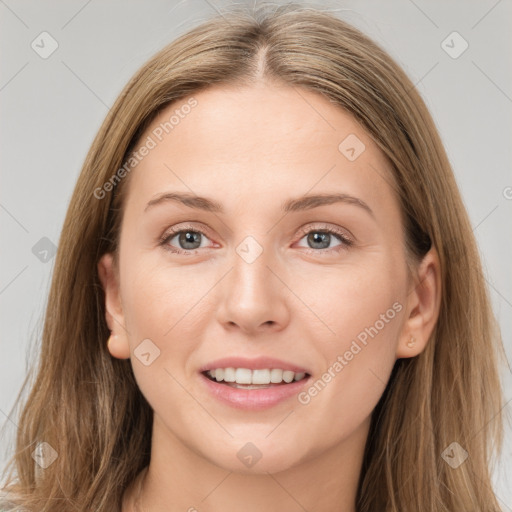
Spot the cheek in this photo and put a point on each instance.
(364, 308)
(159, 299)
(353, 298)
(170, 306)
(161, 316)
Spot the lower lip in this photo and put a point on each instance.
(253, 399)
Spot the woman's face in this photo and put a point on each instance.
(252, 276)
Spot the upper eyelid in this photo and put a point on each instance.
(186, 227)
(303, 231)
(332, 229)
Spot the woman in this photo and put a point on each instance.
(201, 351)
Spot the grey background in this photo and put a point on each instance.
(52, 108)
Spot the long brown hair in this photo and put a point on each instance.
(86, 404)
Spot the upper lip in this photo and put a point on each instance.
(258, 363)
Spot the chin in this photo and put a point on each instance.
(256, 457)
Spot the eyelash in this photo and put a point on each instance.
(343, 238)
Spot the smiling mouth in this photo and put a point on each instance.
(244, 378)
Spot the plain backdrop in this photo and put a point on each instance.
(64, 63)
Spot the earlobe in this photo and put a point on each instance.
(422, 310)
(117, 344)
(117, 347)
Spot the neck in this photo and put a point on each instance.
(178, 479)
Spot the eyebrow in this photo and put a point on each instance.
(303, 203)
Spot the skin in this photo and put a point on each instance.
(252, 148)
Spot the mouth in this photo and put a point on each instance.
(253, 389)
(253, 384)
(245, 378)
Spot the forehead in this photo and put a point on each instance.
(265, 139)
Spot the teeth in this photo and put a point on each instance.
(229, 375)
(242, 375)
(260, 377)
(276, 376)
(288, 376)
(257, 377)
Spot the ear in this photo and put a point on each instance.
(118, 344)
(423, 302)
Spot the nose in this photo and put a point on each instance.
(253, 296)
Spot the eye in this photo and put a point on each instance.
(319, 239)
(188, 239)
